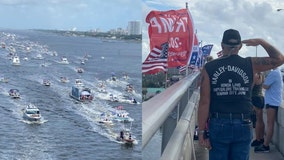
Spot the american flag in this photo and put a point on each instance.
(220, 54)
(183, 68)
(157, 60)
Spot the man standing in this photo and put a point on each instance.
(273, 99)
(225, 97)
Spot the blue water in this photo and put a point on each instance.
(68, 130)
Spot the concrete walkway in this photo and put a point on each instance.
(274, 154)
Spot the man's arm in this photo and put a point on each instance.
(204, 101)
(261, 64)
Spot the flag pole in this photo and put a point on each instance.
(256, 51)
(166, 85)
(186, 69)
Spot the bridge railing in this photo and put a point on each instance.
(173, 110)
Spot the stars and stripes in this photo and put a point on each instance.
(157, 60)
(220, 54)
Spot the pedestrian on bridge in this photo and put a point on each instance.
(273, 86)
(258, 103)
(225, 97)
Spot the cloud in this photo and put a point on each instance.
(253, 18)
(66, 14)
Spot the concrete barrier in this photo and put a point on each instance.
(278, 136)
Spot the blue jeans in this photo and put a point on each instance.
(230, 139)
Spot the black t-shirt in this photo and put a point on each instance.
(231, 80)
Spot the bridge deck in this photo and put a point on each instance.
(274, 154)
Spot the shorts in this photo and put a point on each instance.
(270, 106)
(258, 101)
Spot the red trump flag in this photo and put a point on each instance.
(176, 28)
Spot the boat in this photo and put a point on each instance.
(113, 78)
(120, 115)
(113, 98)
(54, 53)
(14, 93)
(129, 88)
(16, 60)
(125, 76)
(64, 60)
(105, 120)
(79, 83)
(3, 44)
(32, 113)
(123, 117)
(46, 82)
(80, 93)
(39, 56)
(80, 70)
(125, 137)
(43, 64)
(4, 80)
(102, 87)
(64, 79)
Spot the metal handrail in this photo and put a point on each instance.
(156, 110)
(180, 146)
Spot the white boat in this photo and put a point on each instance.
(32, 113)
(113, 98)
(3, 44)
(14, 93)
(101, 87)
(126, 137)
(129, 88)
(46, 82)
(121, 115)
(64, 79)
(106, 121)
(39, 56)
(80, 70)
(79, 83)
(113, 78)
(54, 53)
(64, 60)
(16, 60)
(4, 80)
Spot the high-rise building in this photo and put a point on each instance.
(134, 28)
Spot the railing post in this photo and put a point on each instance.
(169, 126)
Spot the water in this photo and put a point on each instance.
(68, 130)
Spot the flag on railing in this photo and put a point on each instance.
(200, 59)
(156, 61)
(220, 54)
(181, 69)
(195, 51)
(206, 50)
(174, 27)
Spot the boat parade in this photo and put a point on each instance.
(115, 91)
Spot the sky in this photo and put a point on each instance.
(252, 18)
(82, 15)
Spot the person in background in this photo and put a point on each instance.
(225, 97)
(258, 103)
(273, 86)
(209, 58)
